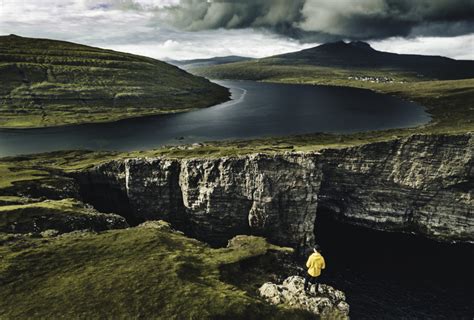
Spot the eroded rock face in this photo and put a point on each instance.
(326, 302)
(274, 196)
(421, 184)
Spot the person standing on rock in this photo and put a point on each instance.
(314, 264)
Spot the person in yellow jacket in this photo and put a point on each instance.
(314, 264)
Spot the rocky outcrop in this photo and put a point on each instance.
(327, 302)
(52, 217)
(421, 184)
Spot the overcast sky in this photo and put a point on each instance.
(183, 29)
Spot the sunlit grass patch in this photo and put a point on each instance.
(150, 273)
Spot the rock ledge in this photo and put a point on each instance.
(327, 302)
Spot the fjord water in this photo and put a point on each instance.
(256, 110)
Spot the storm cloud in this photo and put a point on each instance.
(321, 20)
(187, 29)
(196, 15)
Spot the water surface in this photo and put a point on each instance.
(256, 110)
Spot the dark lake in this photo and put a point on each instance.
(256, 110)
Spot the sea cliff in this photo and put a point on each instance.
(421, 184)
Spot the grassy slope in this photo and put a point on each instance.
(147, 273)
(50, 83)
(64, 215)
(194, 63)
(361, 56)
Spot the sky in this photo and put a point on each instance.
(186, 29)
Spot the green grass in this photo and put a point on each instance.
(49, 170)
(10, 200)
(147, 273)
(52, 83)
(64, 215)
(274, 70)
(9, 174)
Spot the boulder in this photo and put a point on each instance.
(327, 302)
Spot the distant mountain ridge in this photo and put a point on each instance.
(360, 54)
(341, 60)
(195, 63)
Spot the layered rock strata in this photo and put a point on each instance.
(422, 184)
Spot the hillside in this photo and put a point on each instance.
(49, 83)
(147, 272)
(195, 63)
(340, 60)
(360, 55)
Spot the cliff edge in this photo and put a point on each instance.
(421, 184)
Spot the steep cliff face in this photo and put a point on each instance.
(421, 184)
(275, 196)
(272, 196)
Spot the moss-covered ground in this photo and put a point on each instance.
(137, 273)
(63, 215)
(147, 272)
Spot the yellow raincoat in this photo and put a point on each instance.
(315, 264)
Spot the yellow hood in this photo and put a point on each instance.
(315, 264)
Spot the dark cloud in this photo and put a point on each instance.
(322, 20)
(195, 15)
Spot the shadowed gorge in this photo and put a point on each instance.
(378, 270)
(109, 197)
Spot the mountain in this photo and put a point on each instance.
(347, 59)
(361, 55)
(194, 63)
(48, 83)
